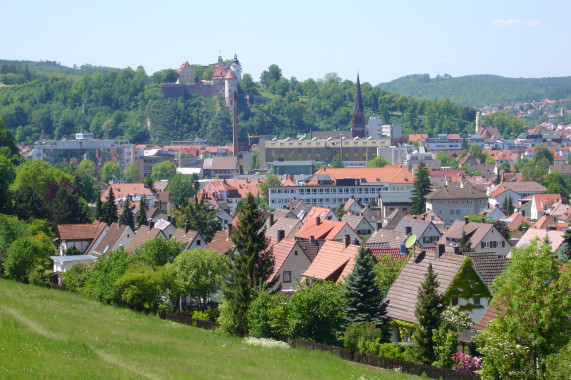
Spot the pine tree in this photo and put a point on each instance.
(362, 290)
(142, 213)
(510, 207)
(421, 188)
(464, 245)
(502, 227)
(110, 208)
(251, 265)
(428, 312)
(127, 217)
(202, 218)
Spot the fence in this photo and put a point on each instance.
(188, 320)
(59, 287)
(388, 363)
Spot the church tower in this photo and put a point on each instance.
(237, 68)
(358, 124)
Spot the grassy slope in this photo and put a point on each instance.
(51, 334)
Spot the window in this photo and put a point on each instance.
(198, 243)
(476, 300)
(287, 276)
(454, 301)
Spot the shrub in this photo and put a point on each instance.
(72, 251)
(369, 346)
(357, 332)
(201, 315)
(392, 351)
(268, 316)
(466, 364)
(75, 278)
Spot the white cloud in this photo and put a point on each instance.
(501, 23)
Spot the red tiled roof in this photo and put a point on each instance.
(80, 231)
(542, 200)
(333, 262)
(388, 174)
(121, 190)
(184, 64)
(546, 221)
(220, 243)
(327, 229)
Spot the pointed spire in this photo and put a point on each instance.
(358, 105)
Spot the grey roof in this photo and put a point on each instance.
(394, 219)
(450, 193)
(355, 220)
(395, 197)
(220, 163)
(67, 259)
(488, 264)
(385, 238)
(418, 226)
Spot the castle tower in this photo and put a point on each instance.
(230, 87)
(478, 122)
(358, 125)
(237, 68)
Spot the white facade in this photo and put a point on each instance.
(375, 127)
(331, 196)
(64, 263)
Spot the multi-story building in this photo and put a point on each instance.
(149, 157)
(453, 203)
(352, 152)
(331, 187)
(78, 150)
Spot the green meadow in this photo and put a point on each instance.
(51, 334)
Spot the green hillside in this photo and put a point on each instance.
(480, 90)
(51, 334)
(56, 67)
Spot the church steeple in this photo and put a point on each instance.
(358, 124)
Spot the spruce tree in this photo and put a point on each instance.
(142, 213)
(251, 265)
(428, 312)
(110, 208)
(510, 207)
(127, 217)
(421, 188)
(362, 291)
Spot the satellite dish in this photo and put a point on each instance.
(410, 241)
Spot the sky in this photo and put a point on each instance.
(380, 40)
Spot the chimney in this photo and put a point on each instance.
(119, 223)
(169, 219)
(440, 248)
(270, 220)
(379, 225)
(346, 241)
(408, 230)
(173, 221)
(311, 239)
(281, 235)
(151, 225)
(456, 250)
(465, 220)
(414, 217)
(229, 231)
(483, 220)
(317, 221)
(186, 227)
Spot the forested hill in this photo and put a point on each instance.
(126, 104)
(480, 90)
(52, 67)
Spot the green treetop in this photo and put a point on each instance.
(421, 188)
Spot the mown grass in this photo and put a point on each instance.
(50, 334)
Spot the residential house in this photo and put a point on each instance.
(190, 239)
(326, 230)
(452, 203)
(147, 158)
(64, 263)
(222, 241)
(143, 235)
(118, 235)
(359, 224)
(321, 212)
(425, 231)
(80, 236)
(385, 238)
(438, 178)
(290, 262)
(543, 204)
(482, 237)
(493, 213)
(515, 220)
(288, 225)
(565, 170)
(168, 227)
(555, 238)
(391, 221)
(353, 206)
(458, 281)
(546, 222)
(390, 201)
(334, 262)
(431, 216)
(515, 190)
(134, 191)
(221, 167)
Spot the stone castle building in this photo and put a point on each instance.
(225, 81)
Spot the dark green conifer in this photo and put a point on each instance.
(110, 208)
(421, 188)
(127, 217)
(142, 213)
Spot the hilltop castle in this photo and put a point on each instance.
(225, 81)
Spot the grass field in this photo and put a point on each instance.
(49, 334)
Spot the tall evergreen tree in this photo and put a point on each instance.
(362, 290)
(110, 208)
(428, 312)
(510, 206)
(421, 188)
(251, 265)
(127, 217)
(142, 213)
(66, 208)
(202, 218)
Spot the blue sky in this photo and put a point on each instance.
(380, 39)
